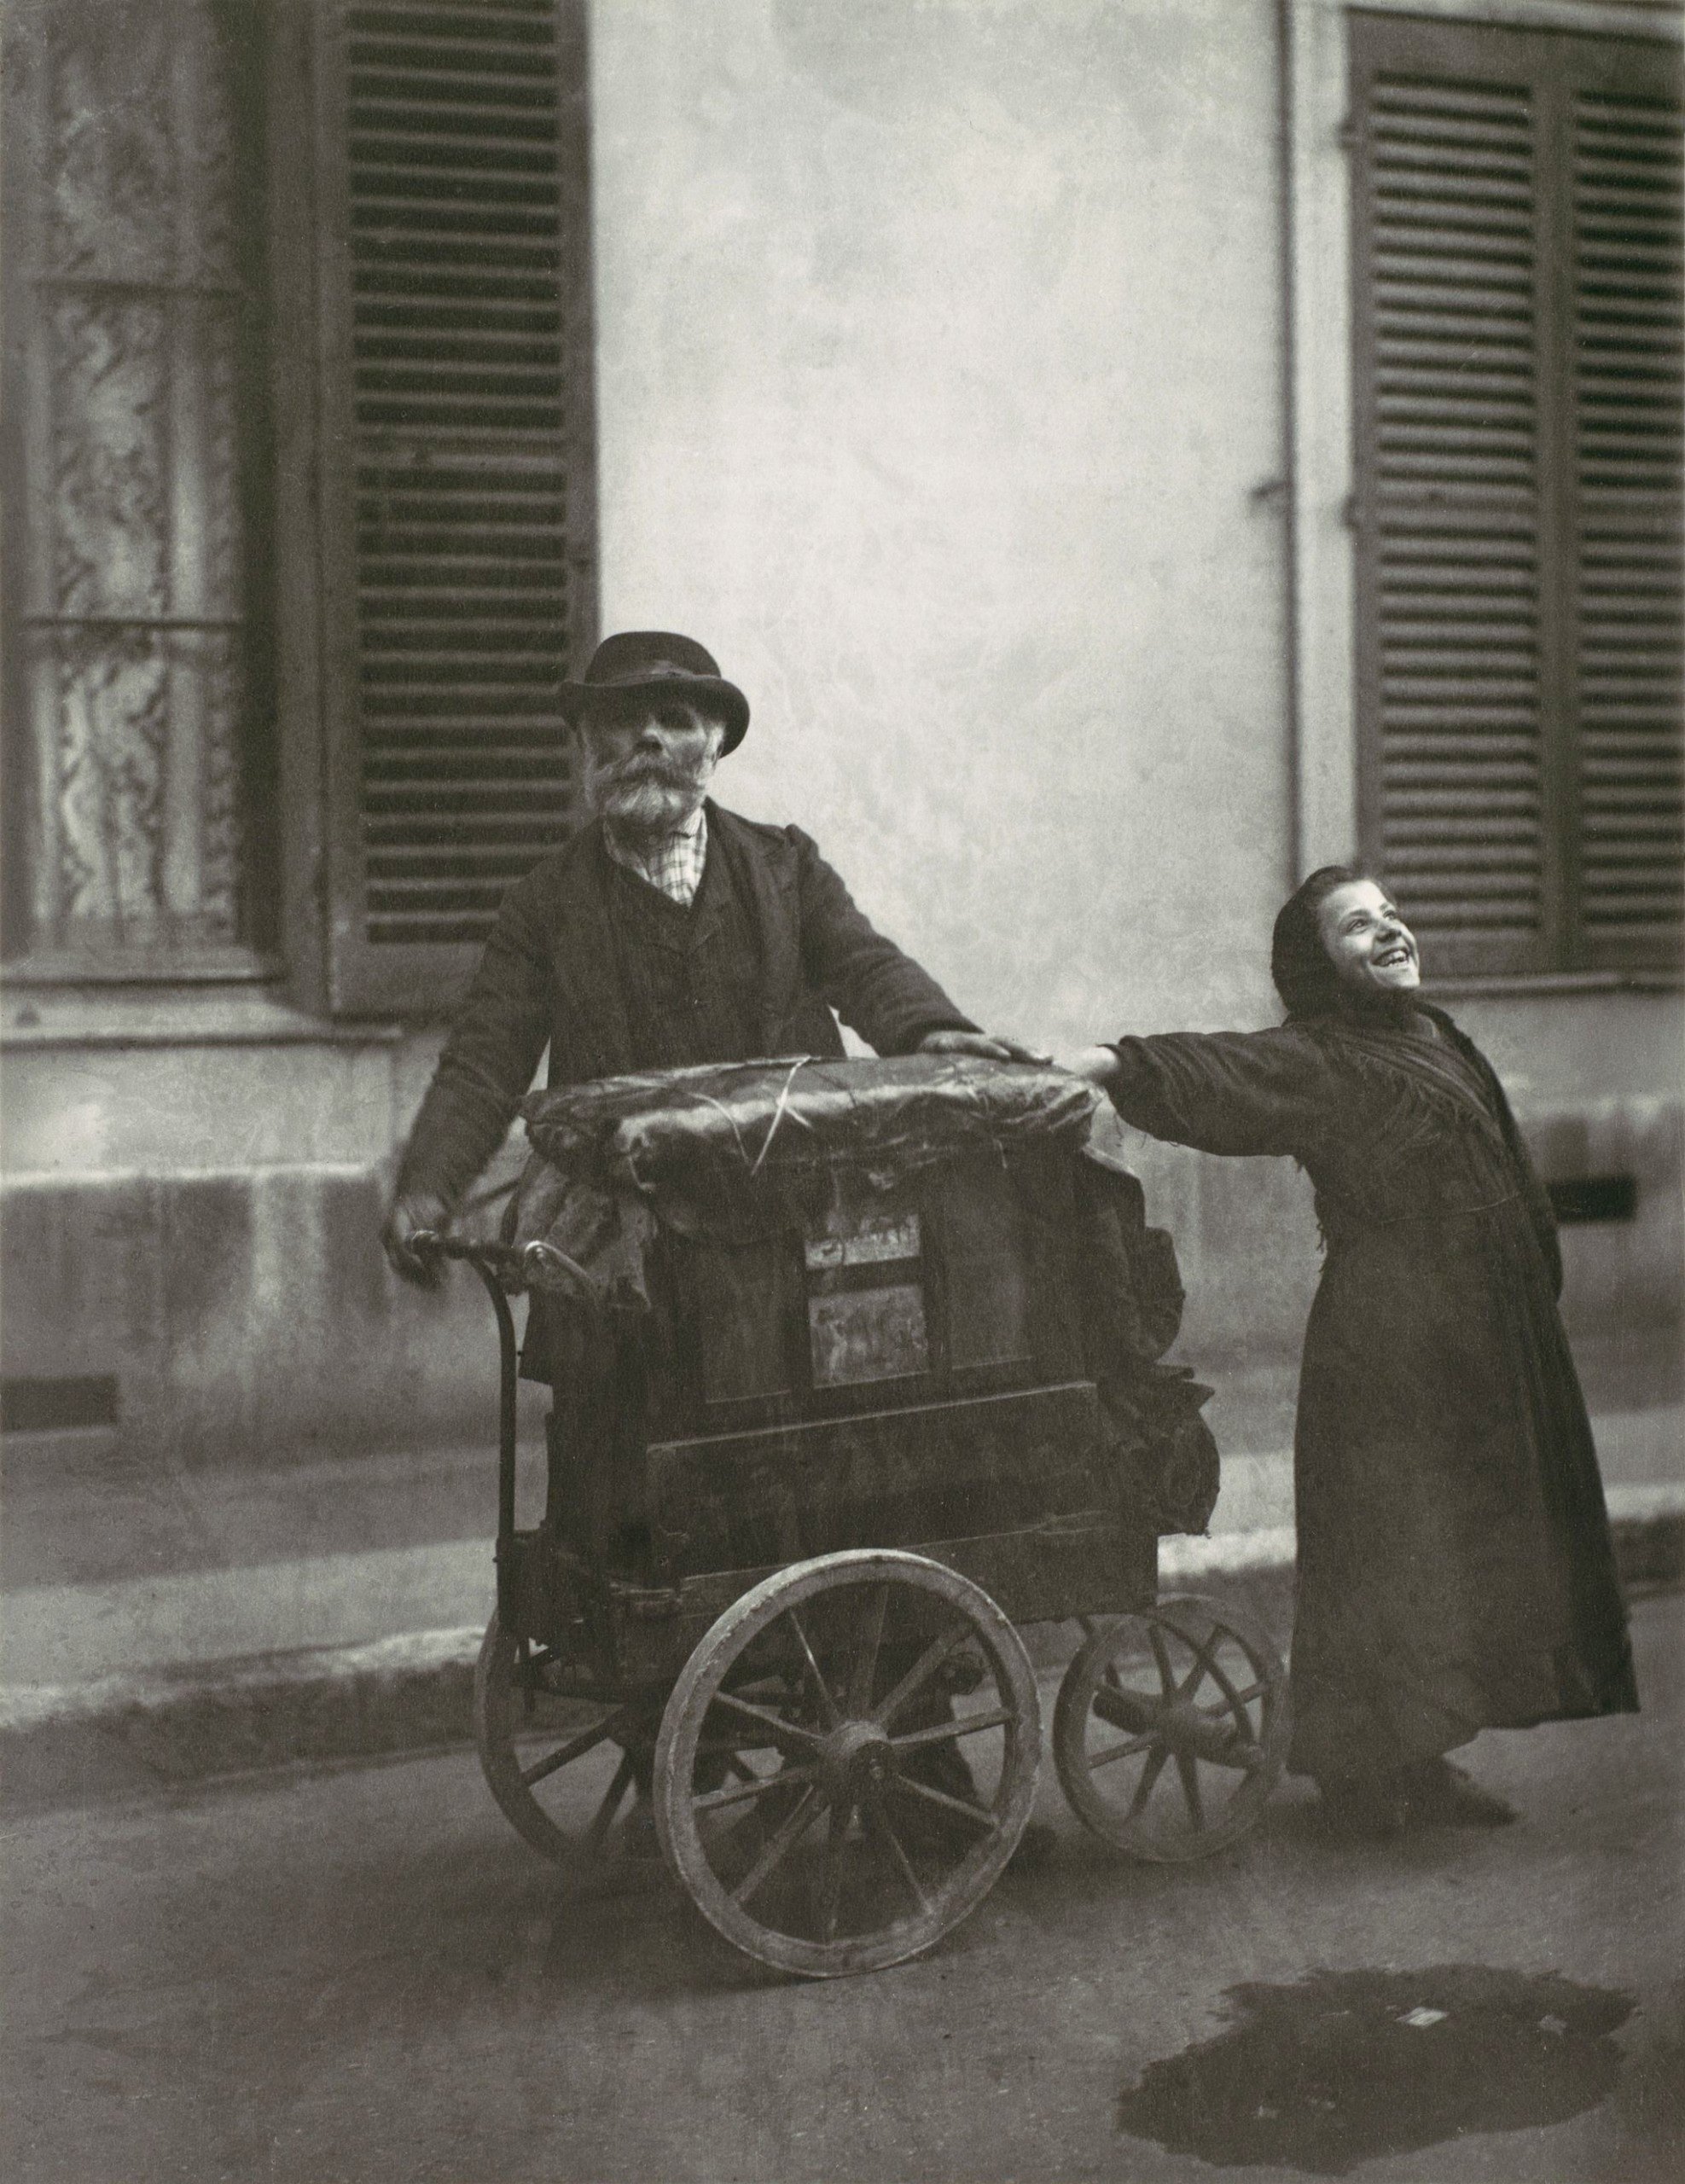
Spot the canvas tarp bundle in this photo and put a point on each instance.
(716, 1129)
(735, 1149)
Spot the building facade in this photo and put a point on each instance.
(1130, 452)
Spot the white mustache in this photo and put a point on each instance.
(631, 771)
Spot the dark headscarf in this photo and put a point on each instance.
(1299, 963)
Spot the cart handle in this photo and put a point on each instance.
(490, 1262)
(485, 1257)
(504, 1264)
(494, 1264)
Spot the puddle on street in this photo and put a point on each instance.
(1343, 2066)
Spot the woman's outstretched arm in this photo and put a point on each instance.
(1234, 1092)
(1099, 1065)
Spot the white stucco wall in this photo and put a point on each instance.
(938, 362)
(939, 370)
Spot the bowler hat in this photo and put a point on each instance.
(638, 661)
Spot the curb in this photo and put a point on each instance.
(156, 1729)
(60, 1743)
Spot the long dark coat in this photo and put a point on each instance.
(548, 977)
(1455, 1571)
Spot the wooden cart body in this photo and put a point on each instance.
(901, 1370)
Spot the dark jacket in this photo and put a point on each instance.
(549, 977)
(1455, 1571)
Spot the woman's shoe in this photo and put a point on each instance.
(1438, 1795)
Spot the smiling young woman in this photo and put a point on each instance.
(1455, 1571)
(1373, 951)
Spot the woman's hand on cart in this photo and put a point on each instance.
(1099, 1065)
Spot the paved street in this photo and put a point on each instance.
(363, 1975)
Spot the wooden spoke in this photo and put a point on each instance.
(1227, 1705)
(1247, 1753)
(729, 1749)
(1155, 1639)
(1150, 1775)
(751, 1686)
(575, 1748)
(828, 1704)
(863, 1671)
(922, 1669)
(962, 1725)
(778, 1730)
(778, 1846)
(1203, 1666)
(838, 1828)
(1090, 1625)
(1189, 1768)
(1120, 1751)
(896, 1848)
(1233, 1701)
(979, 1815)
(612, 1798)
(786, 1778)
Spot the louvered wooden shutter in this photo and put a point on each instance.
(460, 476)
(1628, 390)
(1517, 323)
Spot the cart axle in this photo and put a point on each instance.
(1179, 1726)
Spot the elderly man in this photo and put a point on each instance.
(669, 932)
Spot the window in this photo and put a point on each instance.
(1518, 391)
(299, 512)
(136, 681)
(455, 480)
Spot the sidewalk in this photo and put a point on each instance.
(179, 1626)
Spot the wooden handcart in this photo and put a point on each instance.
(824, 1438)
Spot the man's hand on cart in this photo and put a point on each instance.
(986, 1045)
(415, 1214)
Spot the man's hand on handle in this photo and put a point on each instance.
(412, 1213)
(987, 1046)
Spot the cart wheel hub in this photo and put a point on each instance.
(855, 1754)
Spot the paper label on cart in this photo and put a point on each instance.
(869, 1241)
(868, 1334)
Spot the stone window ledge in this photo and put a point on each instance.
(1542, 985)
(39, 1017)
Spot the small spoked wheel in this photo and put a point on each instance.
(1171, 1729)
(564, 1768)
(847, 1761)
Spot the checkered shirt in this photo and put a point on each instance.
(675, 866)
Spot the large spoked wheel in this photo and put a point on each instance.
(1171, 1729)
(847, 1761)
(564, 1769)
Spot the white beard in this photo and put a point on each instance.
(645, 807)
